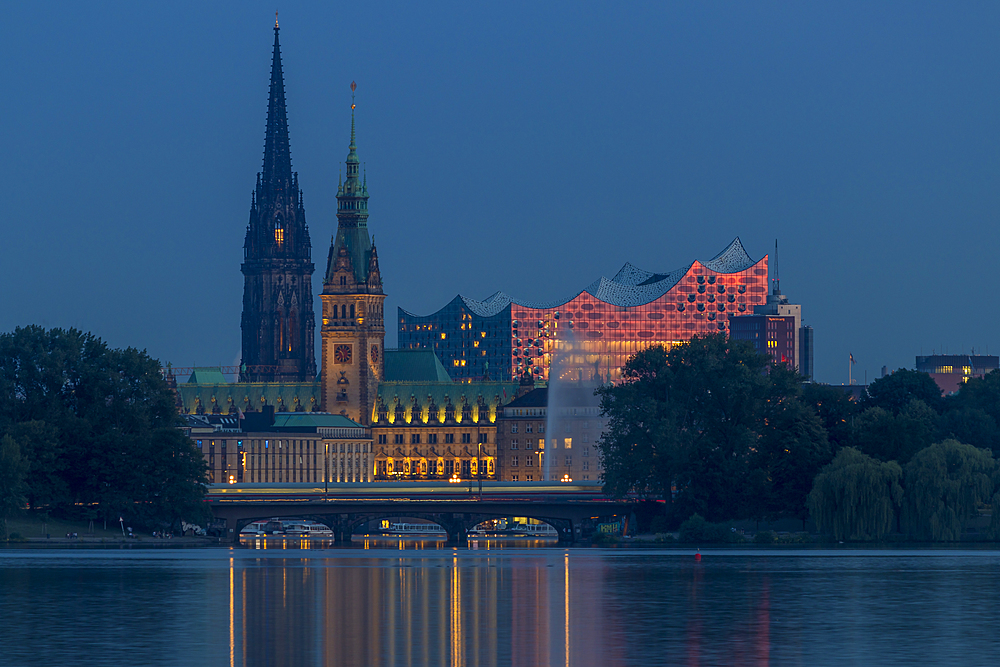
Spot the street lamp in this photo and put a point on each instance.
(326, 472)
(566, 479)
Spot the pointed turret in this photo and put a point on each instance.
(277, 169)
(352, 220)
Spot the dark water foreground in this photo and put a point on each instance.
(509, 607)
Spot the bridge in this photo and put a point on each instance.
(573, 509)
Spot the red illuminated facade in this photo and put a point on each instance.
(599, 328)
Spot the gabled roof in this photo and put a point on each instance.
(414, 366)
(207, 376)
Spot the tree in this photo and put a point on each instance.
(45, 457)
(793, 449)
(971, 425)
(896, 390)
(896, 436)
(12, 471)
(982, 393)
(686, 425)
(95, 418)
(945, 485)
(856, 497)
(836, 410)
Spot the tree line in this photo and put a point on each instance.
(713, 429)
(88, 431)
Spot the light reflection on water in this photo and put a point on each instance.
(403, 544)
(508, 607)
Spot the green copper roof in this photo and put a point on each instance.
(207, 376)
(427, 401)
(414, 366)
(228, 397)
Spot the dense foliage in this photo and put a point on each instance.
(712, 429)
(97, 428)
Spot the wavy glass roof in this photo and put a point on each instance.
(631, 286)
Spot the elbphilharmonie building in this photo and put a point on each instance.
(599, 328)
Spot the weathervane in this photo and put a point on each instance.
(354, 87)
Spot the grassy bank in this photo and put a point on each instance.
(33, 525)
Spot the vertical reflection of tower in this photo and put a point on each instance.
(456, 615)
(529, 637)
(566, 609)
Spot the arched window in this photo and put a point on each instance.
(279, 231)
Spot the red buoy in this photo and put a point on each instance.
(697, 557)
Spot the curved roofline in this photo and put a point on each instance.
(631, 286)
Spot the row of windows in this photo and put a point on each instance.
(529, 461)
(432, 438)
(553, 444)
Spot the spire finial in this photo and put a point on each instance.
(354, 87)
(275, 19)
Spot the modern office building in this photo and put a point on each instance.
(775, 328)
(951, 371)
(769, 334)
(605, 323)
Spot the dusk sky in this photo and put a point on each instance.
(523, 147)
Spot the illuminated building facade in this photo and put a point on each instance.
(769, 334)
(353, 332)
(437, 430)
(278, 324)
(604, 324)
(569, 448)
(282, 448)
(951, 371)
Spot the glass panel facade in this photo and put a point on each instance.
(598, 336)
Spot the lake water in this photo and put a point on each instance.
(464, 607)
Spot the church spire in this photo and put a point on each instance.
(278, 321)
(277, 169)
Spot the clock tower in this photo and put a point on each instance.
(353, 331)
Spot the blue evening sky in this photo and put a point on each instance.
(522, 146)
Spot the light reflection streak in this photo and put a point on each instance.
(232, 613)
(566, 608)
(456, 614)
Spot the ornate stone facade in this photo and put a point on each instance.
(353, 332)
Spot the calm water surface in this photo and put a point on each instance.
(498, 607)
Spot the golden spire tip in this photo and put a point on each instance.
(275, 18)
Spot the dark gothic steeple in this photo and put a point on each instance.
(278, 322)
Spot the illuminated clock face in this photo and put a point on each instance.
(342, 354)
(374, 353)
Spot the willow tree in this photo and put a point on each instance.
(856, 497)
(945, 485)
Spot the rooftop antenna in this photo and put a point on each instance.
(777, 276)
